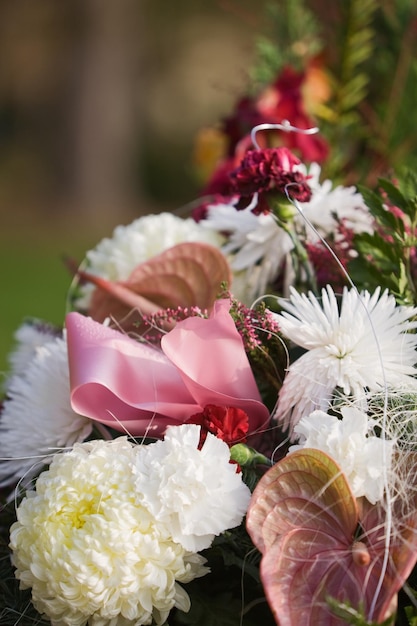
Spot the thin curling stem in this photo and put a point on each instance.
(285, 126)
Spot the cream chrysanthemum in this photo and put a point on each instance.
(197, 494)
(36, 418)
(115, 258)
(89, 549)
(364, 347)
(364, 458)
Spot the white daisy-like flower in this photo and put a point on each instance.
(197, 494)
(90, 551)
(328, 206)
(115, 258)
(364, 458)
(256, 247)
(365, 347)
(36, 418)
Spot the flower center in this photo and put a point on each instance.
(76, 512)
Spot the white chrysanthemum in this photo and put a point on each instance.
(329, 205)
(88, 548)
(366, 346)
(36, 418)
(364, 459)
(115, 258)
(197, 494)
(256, 247)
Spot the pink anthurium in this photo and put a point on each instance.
(140, 389)
(188, 274)
(317, 542)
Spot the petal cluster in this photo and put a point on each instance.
(113, 527)
(195, 493)
(36, 418)
(271, 168)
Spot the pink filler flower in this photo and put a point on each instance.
(135, 388)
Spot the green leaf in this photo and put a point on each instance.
(394, 194)
(353, 616)
(377, 249)
(380, 212)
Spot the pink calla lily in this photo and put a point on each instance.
(139, 389)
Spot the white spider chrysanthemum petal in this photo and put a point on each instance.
(36, 418)
(114, 258)
(328, 206)
(364, 459)
(366, 346)
(29, 337)
(196, 493)
(88, 548)
(256, 247)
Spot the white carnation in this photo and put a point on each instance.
(89, 549)
(364, 458)
(197, 494)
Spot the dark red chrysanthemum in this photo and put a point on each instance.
(228, 423)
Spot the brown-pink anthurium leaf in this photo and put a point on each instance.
(317, 542)
(188, 274)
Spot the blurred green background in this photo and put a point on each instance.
(100, 101)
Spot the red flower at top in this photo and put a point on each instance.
(270, 169)
(228, 423)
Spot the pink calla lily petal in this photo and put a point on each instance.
(139, 389)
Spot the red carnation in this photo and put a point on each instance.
(227, 423)
(270, 169)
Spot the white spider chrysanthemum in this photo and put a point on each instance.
(197, 494)
(364, 458)
(115, 258)
(256, 247)
(88, 548)
(365, 347)
(329, 205)
(29, 337)
(36, 418)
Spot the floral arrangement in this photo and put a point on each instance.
(224, 429)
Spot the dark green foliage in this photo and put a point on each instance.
(387, 257)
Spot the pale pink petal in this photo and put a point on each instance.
(132, 386)
(212, 362)
(120, 382)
